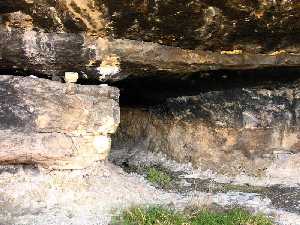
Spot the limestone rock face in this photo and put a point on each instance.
(55, 124)
(147, 36)
(238, 130)
(203, 24)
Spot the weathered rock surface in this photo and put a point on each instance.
(54, 53)
(256, 26)
(55, 124)
(231, 131)
(110, 40)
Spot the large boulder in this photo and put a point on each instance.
(54, 124)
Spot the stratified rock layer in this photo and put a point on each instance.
(55, 124)
(256, 26)
(237, 130)
(110, 60)
(109, 40)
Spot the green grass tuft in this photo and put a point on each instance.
(158, 177)
(163, 216)
(150, 216)
(232, 217)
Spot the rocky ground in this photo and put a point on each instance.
(34, 196)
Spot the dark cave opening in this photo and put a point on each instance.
(22, 72)
(144, 91)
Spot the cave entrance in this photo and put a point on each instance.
(154, 89)
(222, 120)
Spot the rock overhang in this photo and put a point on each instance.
(110, 40)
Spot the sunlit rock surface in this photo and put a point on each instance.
(55, 124)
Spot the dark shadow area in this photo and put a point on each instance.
(206, 24)
(13, 113)
(14, 169)
(142, 91)
(22, 73)
(151, 89)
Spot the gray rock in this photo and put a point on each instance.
(55, 124)
(231, 131)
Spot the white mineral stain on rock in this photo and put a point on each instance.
(110, 65)
(38, 48)
(30, 44)
(102, 144)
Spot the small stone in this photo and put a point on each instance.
(71, 77)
